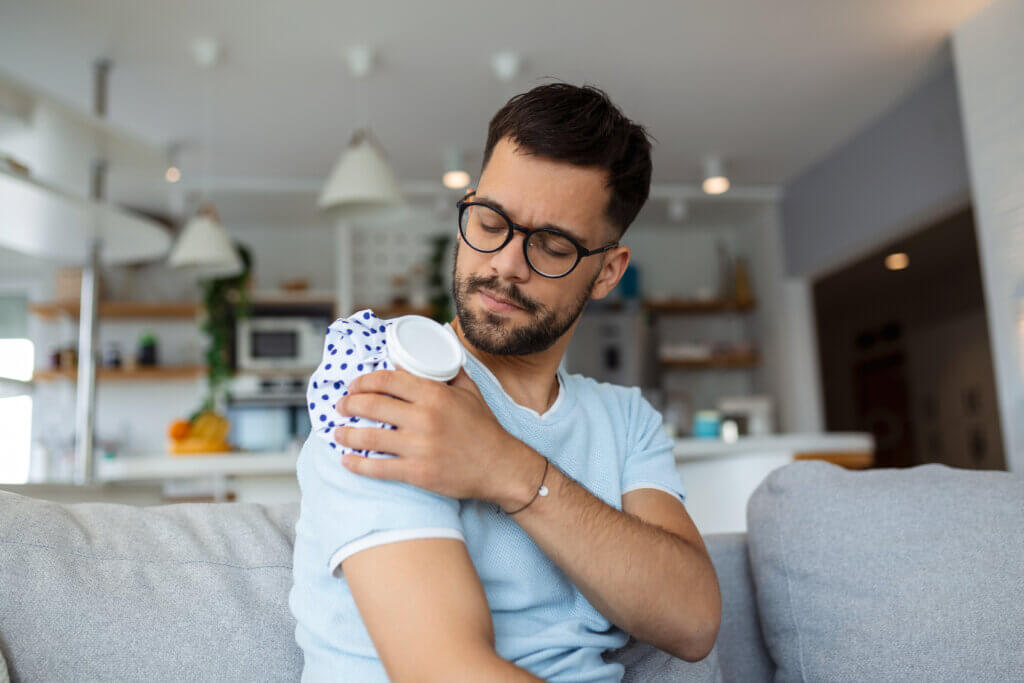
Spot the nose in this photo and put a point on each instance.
(509, 263)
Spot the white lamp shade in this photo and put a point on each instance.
(205, 248)
(361, 179)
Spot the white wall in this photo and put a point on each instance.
(988, 53)
(902, 171)
(285, 251)
(678, 259)
(785, 327)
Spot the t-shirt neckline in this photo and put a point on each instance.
(559, 375)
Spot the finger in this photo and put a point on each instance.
(380, 407)
(397, 383)
(378, 468)
(370, 439)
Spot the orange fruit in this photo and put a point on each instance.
(179, 429)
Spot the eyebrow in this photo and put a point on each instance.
(495, 203)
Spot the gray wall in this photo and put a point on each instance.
(989, 51)
(903, 171)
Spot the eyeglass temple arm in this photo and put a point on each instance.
(591, 252)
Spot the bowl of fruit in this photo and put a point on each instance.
(207, 432)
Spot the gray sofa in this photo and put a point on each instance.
(914, 574)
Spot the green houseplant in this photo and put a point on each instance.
(225, 300)
(440, 299)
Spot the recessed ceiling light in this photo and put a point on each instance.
(173, 174)
(360, 59)
(715, 180)
(897, 261)
(456, 180)
(506, 65)
(455, 175)
(207, 52)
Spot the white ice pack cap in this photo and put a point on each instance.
(424, 347)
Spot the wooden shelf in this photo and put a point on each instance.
(685, 306)
(139, 373)
(121, 309)
(725, 360)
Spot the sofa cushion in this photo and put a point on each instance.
(105, 592)
(890, 574)
(740, 645)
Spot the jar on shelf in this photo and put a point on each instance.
(112, 355)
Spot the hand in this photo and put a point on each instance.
(448, 440)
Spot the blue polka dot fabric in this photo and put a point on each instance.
(353, 346)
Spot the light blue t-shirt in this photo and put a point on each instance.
(606, 437)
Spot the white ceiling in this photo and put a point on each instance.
(770, 85)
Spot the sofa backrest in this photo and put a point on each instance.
(99, 591)
(194, 591)
(912, 574)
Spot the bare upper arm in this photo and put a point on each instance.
(423, 605)
(664, 510)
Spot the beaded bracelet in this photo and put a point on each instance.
(542, 491)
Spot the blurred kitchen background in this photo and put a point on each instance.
(828, 266)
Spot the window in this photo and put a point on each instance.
(15, 438)
(17, 356)
(16, 359)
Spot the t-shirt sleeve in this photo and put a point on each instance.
(649, 459)
(348, 512)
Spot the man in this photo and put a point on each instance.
(532, 519)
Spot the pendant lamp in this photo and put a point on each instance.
(361, 179)
(205, 248)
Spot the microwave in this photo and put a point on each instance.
(269, 343)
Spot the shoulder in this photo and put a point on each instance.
(623, 402)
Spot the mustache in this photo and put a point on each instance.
(474, 283)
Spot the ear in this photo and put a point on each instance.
(614, 266)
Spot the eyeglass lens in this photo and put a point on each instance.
(548, 252)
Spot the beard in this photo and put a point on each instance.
(495, 334)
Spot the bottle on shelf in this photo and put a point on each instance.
(743, 293)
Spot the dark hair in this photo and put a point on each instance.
(581, 126)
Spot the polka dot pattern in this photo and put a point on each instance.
(360, 339)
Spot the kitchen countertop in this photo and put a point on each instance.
(687, 449)
(156, 467)
(163, 466)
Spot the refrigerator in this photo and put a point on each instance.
(615, 345)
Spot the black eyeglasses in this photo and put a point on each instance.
(548, 251)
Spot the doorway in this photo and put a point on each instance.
(905, 354)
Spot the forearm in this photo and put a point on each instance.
(644, 579)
